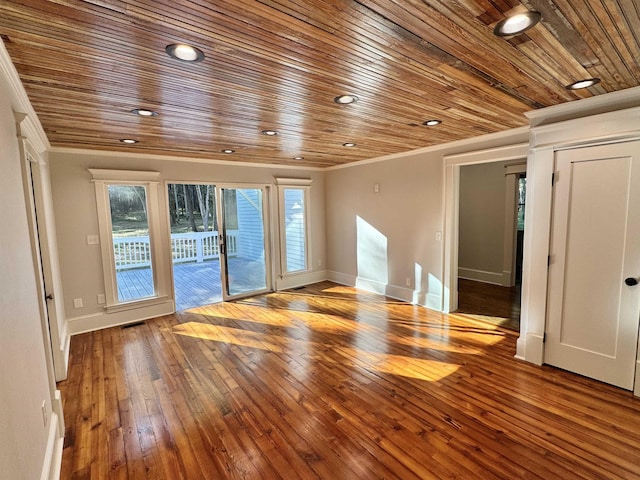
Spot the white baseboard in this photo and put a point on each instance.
(98, 321)
(425, 299)
(341, 278)
(61, 358)
(494, 278)
(300, 280)
(533, 348)
(53, 455)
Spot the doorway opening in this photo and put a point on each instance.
(491, 227)
(482, 277)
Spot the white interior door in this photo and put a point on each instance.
(593, 315)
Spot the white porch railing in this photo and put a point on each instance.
(134, 252)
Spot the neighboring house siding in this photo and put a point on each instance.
(250, 226)
(295, 229)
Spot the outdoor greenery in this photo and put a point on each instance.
(191, 209)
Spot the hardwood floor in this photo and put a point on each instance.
(489, 303)
(332, 383)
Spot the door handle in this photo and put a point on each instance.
(49, 297)
(631, 282)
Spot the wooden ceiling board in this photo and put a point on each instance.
(278, 64)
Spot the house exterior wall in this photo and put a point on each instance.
(250, 224)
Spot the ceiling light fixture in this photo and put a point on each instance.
(185, 53)
(128, 141)
(432, 123)
(516, 24)
(298, 158)
(228, 151)
(349, 144)
(345, 99)
(586, 83)
(143, 112)
(269, 133)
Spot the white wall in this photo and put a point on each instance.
(398, 236)
(482, 222)
(379, 240)
(24, 382)
(75, 211)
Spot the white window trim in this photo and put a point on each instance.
(150, 180)
(305, 185)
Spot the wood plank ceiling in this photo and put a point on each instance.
(278, 64)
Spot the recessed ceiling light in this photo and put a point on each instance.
(516, 24)
(269, 133)
(186, 53)
(128, 141)
(298, 158)
(349, 144)
(228, 151)
(586, 83)
(345, 99)
(143, 112)
(432, 123)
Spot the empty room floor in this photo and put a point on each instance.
(328, 382)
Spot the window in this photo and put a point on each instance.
(294, 225)
(128, 221)
(522, 195)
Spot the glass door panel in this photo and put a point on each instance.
(195, 250)
(244, 246)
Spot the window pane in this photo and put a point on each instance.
(295, 235)
(522, 195)
(131, 246)
(246, 253)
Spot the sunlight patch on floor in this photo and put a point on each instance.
(418, 368)
(432, 337)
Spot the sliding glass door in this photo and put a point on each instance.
(244, 255)
(218, 243)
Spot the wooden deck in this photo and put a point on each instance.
(196, 284)
(328, 382)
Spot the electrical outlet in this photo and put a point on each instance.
(77, 303)
(319, 262)
(93, 239)
(101, 299)
(407, 281)
(438, 236)
(45, 415)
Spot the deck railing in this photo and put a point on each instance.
(135, 252)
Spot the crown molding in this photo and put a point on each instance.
(605, 103)
(456, 145)
(174, 158)
(28, 122)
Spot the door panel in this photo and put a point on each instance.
(592, 326)
(245, 254)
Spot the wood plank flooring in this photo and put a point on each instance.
(328, 382)
(489, 303)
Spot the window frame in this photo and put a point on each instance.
(102, 179)
(303, 184)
